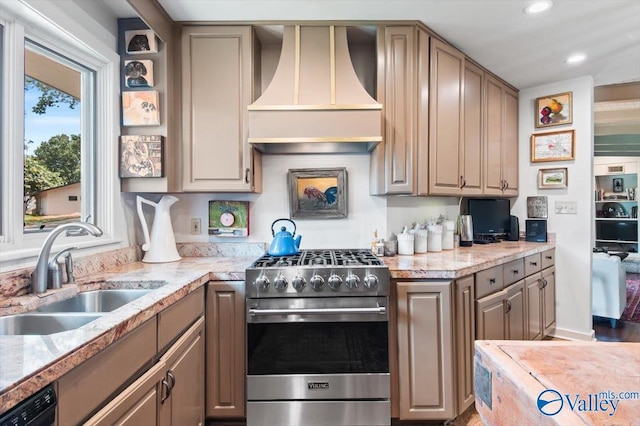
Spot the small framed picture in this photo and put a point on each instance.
(318, 193)
(552, 179)
(552, 146)
(138, 42)
(141, 156)
(554, 110)
(138, 73)
(140, 108)
(618, 185)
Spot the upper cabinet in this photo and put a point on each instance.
(218, 66)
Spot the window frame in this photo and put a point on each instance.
(55, 27)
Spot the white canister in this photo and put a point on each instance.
(434, 240)
(448, 228)
(420, 241)
(405, 243)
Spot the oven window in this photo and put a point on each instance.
(318, 348)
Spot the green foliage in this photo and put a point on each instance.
(61, 154)
(38, 177)
(49, 96)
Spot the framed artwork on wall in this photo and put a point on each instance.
(138, 42)
(141, 156)
(552, 178)
(140, 108)
(552, 146)
(138, 73)
(554, 110)
(318, 193)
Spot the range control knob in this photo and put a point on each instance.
(316, 282)
(352, 281)
(371, 281)
(261, 283)
(334, 282)
(298, 283)
(280, 283)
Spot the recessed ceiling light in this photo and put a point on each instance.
(538, 6)
(574, 59)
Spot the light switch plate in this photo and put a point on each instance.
(195, 226)
(566, 207)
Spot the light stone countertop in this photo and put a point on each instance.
(28, 363)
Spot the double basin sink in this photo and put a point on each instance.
(68, 314)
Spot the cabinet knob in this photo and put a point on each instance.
(549, 257)
(492, 280)
(515, 272)
(533, 263)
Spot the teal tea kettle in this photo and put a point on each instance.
(284, 243)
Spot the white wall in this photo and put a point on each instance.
(403, 211)
(574, 232)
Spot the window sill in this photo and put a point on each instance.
(26, 254)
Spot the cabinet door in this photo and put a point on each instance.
(533, 293)
(217, 63)
(446, 118)
(493, 180)
(516, 320)
(549, 299)
(471, 154)
(136, 405)
(510, 143)
(400, 95)
(490, 313)
(225, 349)
(465, 320)
(182, 393)
(425, 346)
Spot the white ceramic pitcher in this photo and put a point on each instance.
(161, 247)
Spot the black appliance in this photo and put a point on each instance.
(536, 230)
(317, 339)
(37, 410)
(490, 216)
(514, 229)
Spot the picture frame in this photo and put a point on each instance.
(141, 156)
(318, 193)
(553, 146)
(554, 110)
(140, 108)
(228, 218)
(138, 73)
(553, 179)
(618, 185)
(140, 42)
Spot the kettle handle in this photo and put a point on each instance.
(273, 232)
(145, 228)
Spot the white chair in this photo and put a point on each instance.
(609, 287)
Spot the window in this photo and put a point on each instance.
(58, 99)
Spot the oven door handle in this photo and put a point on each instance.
(381, 310)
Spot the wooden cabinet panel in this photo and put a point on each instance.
(510, 143)
(515, 312)
(183, 404)
(549, 299)
(532, 264)
(446, 118)
(548, 258)
(533, 294)
(471, 166)
(425, 350)
(490, 311)
(217, 87)
(465, 322)
(176, 318)
(225, 358)
(489, 281)
(513, 271)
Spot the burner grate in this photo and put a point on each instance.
(322, 257)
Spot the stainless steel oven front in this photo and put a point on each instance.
(318, 361)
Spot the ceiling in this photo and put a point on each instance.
(524, 50)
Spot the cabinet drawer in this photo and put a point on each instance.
(532, 264)
(176, 318)
(88, 385)
(513, 271)
(548, 258)
(489, 281)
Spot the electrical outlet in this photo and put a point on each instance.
(195, 226)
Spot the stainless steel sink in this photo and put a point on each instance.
(41, 324)
(95, 301)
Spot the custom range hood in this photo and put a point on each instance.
(315, 102)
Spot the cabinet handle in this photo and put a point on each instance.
(508, 306)
(515, 272)
(492, 280)
(545, 282)
(533, 263)
(463, 182)
(549, 257)
(540, 283)
(171, 378)
(167, 389)
(506, 184)
(246, 175)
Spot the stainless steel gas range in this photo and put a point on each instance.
(317, 339)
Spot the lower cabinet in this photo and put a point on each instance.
(465, 334)
(225, 357)
(541, 300)
(425, 350)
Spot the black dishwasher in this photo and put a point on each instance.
(37, 410)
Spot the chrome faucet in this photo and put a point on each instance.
(39, 276)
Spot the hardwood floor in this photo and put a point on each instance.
(624, 332)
